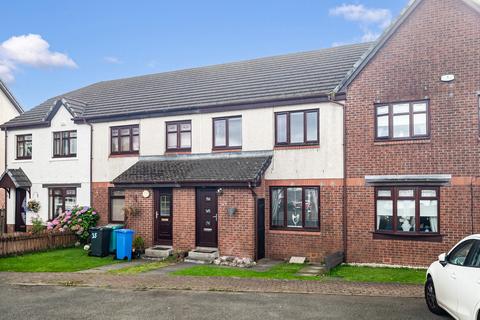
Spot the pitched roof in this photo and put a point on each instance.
(10, 97)
(15, 178)
(239, 168)
(372, 51)
(291, 76)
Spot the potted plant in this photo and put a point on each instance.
(138, 247)
(34, 205)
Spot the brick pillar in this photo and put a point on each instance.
(183, 218)
(142, 223)
(236, 233)
(100, 200)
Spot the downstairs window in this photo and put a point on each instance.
(294, 208)
(412, 210)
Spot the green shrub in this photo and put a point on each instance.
(79, 220)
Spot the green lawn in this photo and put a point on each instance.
(370, 274)
(287, 271)
(280, 271)
(61, 260)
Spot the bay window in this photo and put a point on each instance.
(296, 128)
(406, 120)
(294, 208)
(407, 209)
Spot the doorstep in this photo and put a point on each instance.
(202, 255)
(158, 252)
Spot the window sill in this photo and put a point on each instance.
(124, 155)
(179, 151)
(63, 159)
(23, 160)
(427, 237)
(226, 149)
(401, 142)
(296, 147)
(302, 232)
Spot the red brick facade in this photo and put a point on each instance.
(314, 245)
(438, 38)
(184, 218)
(100, 200)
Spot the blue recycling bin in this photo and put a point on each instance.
(124, 243)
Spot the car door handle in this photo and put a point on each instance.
(453, 276)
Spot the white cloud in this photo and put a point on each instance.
(29, 50)
(371, 21)
(112, 60)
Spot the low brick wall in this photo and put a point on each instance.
(18, 243)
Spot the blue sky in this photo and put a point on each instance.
(50, 47)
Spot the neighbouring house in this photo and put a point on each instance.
(370, 149)
(9, 108)
(48, 161)
(412, 134)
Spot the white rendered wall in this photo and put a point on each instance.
(44, 169)
(258, 134)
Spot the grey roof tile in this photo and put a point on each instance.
(296, 75)
(17, 177)
(193, 169)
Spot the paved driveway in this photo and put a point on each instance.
(52, 302)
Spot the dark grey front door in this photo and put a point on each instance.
(163, 216)
(207, 218)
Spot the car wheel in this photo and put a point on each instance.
(431, 298)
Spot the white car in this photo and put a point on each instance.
(453, 282)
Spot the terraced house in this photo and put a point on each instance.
(368, 149)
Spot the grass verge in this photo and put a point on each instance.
(280, 271)
(379, 274)
(59, 260)
(288, 272)
(149, 266)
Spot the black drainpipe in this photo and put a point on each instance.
(255, 213)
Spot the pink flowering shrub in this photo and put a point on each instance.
(78, 220)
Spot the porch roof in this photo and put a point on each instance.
(234, 169)
(15, 178)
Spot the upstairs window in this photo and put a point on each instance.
(296, 128)
(125, 139)
(407, 209)
(24, 147)
(227, 133)
(65, 144)
(179, 136)
(406, 120)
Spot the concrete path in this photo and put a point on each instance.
(20, 302)
(104, 269)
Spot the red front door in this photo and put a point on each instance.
(207, 218)
(163, 216)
